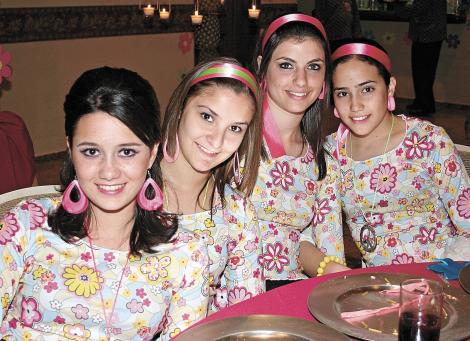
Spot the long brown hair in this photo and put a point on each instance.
(250, 148)
(311, 125)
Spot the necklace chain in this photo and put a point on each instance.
(107, 319)
(384, 157)
(204, 198)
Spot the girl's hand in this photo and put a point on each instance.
(332, 267)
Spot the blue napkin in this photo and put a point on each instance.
(448, 267)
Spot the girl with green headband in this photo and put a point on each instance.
(211, 123)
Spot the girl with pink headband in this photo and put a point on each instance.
(295, 194)
(405, 190)
(211, 124)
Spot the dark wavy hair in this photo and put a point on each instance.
(250, 148)
(383, 72)
(311, 125)
(125, 95)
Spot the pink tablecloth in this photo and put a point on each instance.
(291, 300)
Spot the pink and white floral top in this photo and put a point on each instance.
(292, 206)
(422, 200)
(231, 234)
(49, 289)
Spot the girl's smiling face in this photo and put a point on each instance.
(360, 96)
(295, 74)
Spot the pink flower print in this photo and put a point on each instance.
(140, 292)
(109, 256)
(310, 187)
(236, 259)
(8, 228)
(452, 168)
(237, 295)
(415, 146)
(252, 245)
(384, 177)
(81, 312)
(5, 59)
(29, 311)
(273, 258)
(320, 209)
(221, 298)
(185, 42)
(463, 204)
(294, 236)
(426, 235)
(418, 182)
(50, 286)
(86, 256)
(59, 320)
(231, 245)
(135, 306)
(185, 237)
(308, 158)
(281, 176)
(375, 219)
(403, 258)
(37, 216)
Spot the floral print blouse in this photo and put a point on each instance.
(422, 199)
(292, 206)
(231, 234)
(49, 289)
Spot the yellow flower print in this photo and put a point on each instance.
(196, 273)
(269, 210)
(437, 168)
(126, 293)
(7, 258)
(369, 163)
(138, 323)
(84, 281)
(205, 235)
(5, 300)
(209, 223)
(40, 240)
(257, 190)
(133, 277)
(56, 201)
(76, 332)
(175, 332)
(134, 258)
(26, 336)
(429, 207)
(452, 190)
(361, 185)
(155, 267)
(39, 272)
(66, 254)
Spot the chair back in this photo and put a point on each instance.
(464, 152)
(11, 199)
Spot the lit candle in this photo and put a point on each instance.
(164, 14)
(196, 18)
(149, 11)
(253, 12)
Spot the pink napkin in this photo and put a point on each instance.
(358, 315)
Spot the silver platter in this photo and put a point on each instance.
(261, 327)
(362, 291)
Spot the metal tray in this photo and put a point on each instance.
(261, 327)
(362, 291)
(464, 278)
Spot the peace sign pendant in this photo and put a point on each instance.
(368, 238)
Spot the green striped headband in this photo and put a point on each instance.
(228, 70)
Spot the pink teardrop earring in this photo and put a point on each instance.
(74, 207)
(322, 93)
(236, 168)
(167, 156)
(391, 103)
(335, 112)
(150, 204)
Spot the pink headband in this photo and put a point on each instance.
(366, 50)
(229, 70)
(290, 18)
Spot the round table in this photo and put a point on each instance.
(291, 299)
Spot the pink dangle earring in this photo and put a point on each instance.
(391, 103)
(150, 204)
(74, 207)
(236, 168)
(167, 156)
(322, 93)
